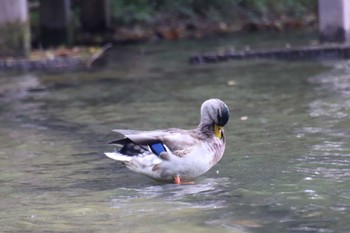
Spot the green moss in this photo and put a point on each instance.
(15, 39)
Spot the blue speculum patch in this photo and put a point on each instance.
(157, 148)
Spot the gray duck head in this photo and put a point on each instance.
(214, 113)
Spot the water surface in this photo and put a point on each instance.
(285, 169)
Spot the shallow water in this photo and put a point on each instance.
(285, 169)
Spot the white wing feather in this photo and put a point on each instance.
(118, 157)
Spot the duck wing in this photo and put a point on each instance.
(176, 141)
(142, 138)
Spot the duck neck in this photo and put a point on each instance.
(206, 129)
(206, 125)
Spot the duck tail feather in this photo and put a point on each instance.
(118, 157)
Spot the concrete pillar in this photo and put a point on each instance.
(334, 20)
(55, 22)
(95, 15)
(14, 28)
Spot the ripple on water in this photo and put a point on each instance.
(181, 195)
(171, 203)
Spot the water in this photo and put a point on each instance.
(285, 169)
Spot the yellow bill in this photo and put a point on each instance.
(218, 131)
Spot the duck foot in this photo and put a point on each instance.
(177, 180)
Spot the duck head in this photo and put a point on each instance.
(214, 116)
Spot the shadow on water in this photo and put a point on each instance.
(285, 169)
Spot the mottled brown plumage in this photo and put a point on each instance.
(175, 154)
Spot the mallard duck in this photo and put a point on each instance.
(175, 155)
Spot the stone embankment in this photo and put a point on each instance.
(320, 52)
(65, 60)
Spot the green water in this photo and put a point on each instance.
(286, 166)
